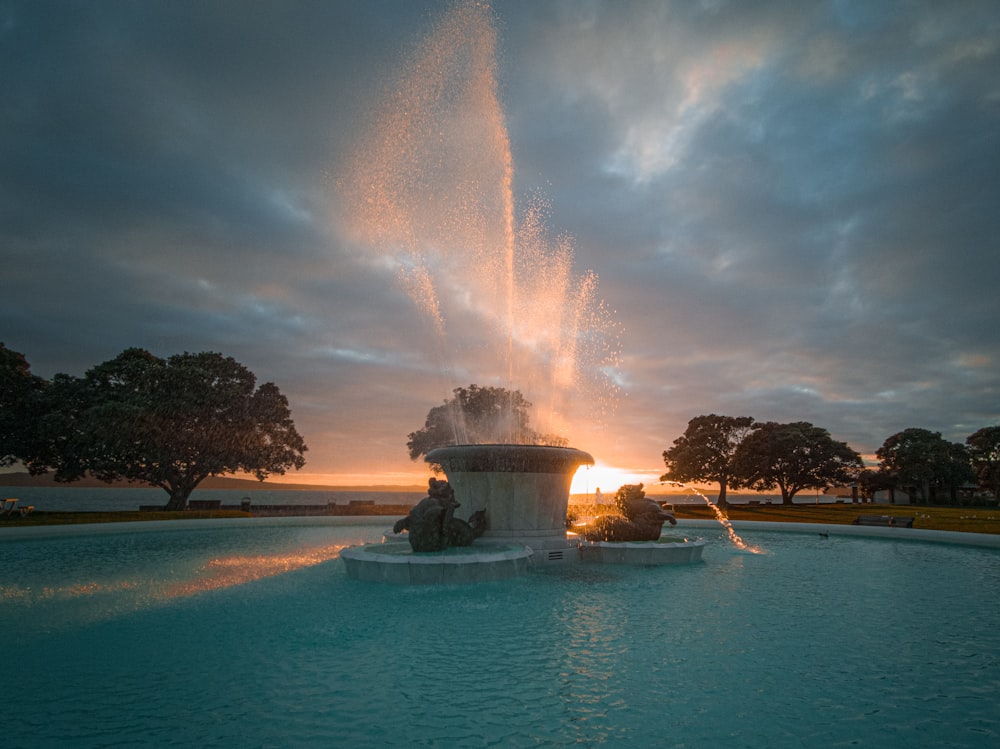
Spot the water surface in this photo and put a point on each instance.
(250, 634)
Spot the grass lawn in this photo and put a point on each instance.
(968, 519)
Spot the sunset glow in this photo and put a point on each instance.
(608, 479)
(635, 213)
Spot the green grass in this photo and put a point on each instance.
(967, 519)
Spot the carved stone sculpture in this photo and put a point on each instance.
(461, 533)
(431, 525)
(642, 520)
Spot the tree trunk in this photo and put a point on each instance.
(178, 498)
(722, 495)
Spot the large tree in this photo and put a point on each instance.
(20, 393)
(478, 415)
(984, 451)
(793, 457)
(169, 423)
(705, 451)
(922, 463)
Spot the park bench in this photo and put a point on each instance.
(887, 521)
(204, 504)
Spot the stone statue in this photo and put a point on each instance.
(431, 525)
(461, 533)
(641, 519)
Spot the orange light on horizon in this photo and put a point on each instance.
(608, 479)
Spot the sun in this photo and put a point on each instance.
(607, 479)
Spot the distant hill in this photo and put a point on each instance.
(22, 478)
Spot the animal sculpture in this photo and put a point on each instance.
(642, 520)
(431, 525)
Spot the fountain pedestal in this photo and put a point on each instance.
(644, 553)
(395, 562)
(523, 488)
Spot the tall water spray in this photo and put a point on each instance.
(431, 190)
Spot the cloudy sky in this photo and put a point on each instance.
(782, 210)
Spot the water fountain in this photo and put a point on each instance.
(431, 190)
(524, 491)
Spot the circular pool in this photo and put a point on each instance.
(250, 633)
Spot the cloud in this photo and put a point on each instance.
(790, 208)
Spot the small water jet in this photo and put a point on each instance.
(723, 520)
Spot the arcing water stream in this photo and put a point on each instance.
(720, 515)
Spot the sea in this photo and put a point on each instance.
(101, 499)
(109, 499)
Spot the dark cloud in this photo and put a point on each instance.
(791, 207)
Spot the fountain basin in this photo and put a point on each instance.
(648, 553)
(396, 562)
(523, 488)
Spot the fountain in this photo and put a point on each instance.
(431, 191)
(523, 490)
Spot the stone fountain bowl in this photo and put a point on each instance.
(523, 488)
(507, 458)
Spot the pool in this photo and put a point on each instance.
(246, 633)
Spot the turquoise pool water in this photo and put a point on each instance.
(250, 634)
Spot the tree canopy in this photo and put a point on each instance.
(923, 463)
(984, 452)
(793, 457)
(478, 415)
(169, 423)
(706, 450)
(20, 392)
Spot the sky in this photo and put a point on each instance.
(782, 210)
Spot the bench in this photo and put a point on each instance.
(204, 504)
(885, 521)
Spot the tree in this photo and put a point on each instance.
(984, 452)
(873, 480)
(20, 393)
(921, 462)
(705, 451)
(478, 415)
(793, 457)
(168, 423)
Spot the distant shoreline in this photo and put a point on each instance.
(46, 480)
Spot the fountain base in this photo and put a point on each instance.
(395, 562)
(667, 550)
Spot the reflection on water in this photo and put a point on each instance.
(225, 572)
(221, 572)
(66, 580)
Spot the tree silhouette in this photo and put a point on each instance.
(706, 450)
(169, 423)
